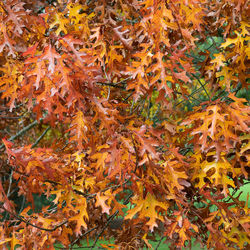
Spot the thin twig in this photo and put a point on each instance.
(17, 171)
(10, 182)
(89, 231)
(143, 104)
(7, 109)
(21, 132)
(111, 85)
(149, 105)
(195, 99)
(22, 205)
(136, 155)
(127, 199)
(14, 190)
(40, 137)
(11, 117)
(115, 84)
(159, 243)
(194, 92)
(201, 85)
(105, 226)
(33, 225)
(128, 96)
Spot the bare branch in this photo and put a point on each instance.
(23, 131)
(41, 136)
(203, 86)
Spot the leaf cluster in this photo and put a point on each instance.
(124, 108)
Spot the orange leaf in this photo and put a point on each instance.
(100, 201)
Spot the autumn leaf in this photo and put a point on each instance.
(147, 208)
(5, 240)
(80, 217)
(135, 109)
(61, 22)
(101, 201)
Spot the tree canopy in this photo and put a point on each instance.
(136, 109)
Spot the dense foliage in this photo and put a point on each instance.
(124, 108)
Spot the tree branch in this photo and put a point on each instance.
(111, 85)
(159, 243)
(201, 85)
(115, 85)
(41, 136)
(30, 224)
(23, 131)
(105, 226)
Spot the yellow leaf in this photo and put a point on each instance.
(147, 208)
(81, 216)
(14, 241)
(62, 22)
(74, 12)
(4, 241)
